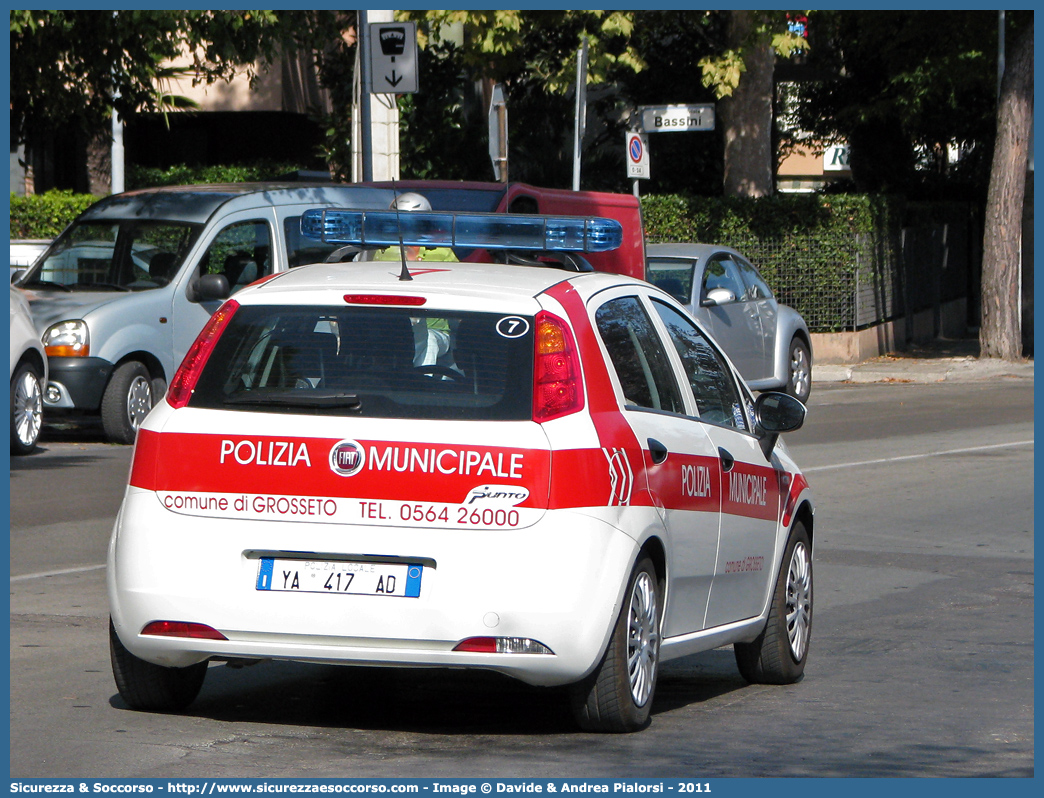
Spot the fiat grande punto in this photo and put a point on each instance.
(507, 462)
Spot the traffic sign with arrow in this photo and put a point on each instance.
(393, 57)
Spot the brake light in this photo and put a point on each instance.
(184, 382)
(502, 645)
(199, 631)
(383, 299)
(557, 386)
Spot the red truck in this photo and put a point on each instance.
(629, 259)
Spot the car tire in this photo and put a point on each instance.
(618, 695)
(779, 653)
(26, 409)
(127, 400)
(152, 688)
(799, 370)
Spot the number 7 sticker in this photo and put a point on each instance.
(512, 327)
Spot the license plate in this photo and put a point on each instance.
(351, 578)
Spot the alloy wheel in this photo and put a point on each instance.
(800, 373)
(643, 639)
(28, 408)
(139, 401)
(799, 601)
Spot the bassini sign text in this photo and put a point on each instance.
(677, 118)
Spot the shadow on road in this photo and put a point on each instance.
(426, 701)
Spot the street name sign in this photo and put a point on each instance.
(677, 118)
(498, 133)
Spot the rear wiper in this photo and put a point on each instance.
(297, 398)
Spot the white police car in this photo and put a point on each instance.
(542, 471)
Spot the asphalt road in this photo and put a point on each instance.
(921, 661)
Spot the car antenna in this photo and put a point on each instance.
(507, 209)
(404, 274)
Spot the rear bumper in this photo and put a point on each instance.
(558, 582)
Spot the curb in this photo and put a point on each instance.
(923, 370)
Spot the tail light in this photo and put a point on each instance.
(198, 631)
(184, 382)
(502, 645)
(558, 389)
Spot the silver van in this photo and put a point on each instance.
(120, 296)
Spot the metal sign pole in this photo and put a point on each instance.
(116, 156)
(502, 124)
(365, 112)
(580, 122)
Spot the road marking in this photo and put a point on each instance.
(61, 572)
(916, 456)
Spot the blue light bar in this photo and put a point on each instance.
(469, 230)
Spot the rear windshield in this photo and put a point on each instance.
(371, 362)
(673, 276)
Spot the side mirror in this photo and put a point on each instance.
(17, 274)
(211, 286)
(776, 413)
(717, 296)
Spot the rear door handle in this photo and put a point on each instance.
(727, 460)
(657, 451)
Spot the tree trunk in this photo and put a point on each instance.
(747, 114)
(1000, 334)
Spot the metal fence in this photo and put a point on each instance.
(869, 279)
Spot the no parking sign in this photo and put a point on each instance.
(637, 155)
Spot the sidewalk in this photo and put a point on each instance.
(940, 361)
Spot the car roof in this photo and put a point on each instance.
(196, 204)
(474, 282)
(681, 250)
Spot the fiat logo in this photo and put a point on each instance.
(347, 458)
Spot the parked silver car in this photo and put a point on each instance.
(767, 341)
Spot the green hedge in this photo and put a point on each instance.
(819, 253)
(674, 217)
(46, 215)
(835, 258)
(182, 175)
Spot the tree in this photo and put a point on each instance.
(905, 90)
(504, 46)
(671, 44)
(1000, 331)
(72, 68)
(747, 113)
(533, 54)
(441, 130)
(742, 78)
